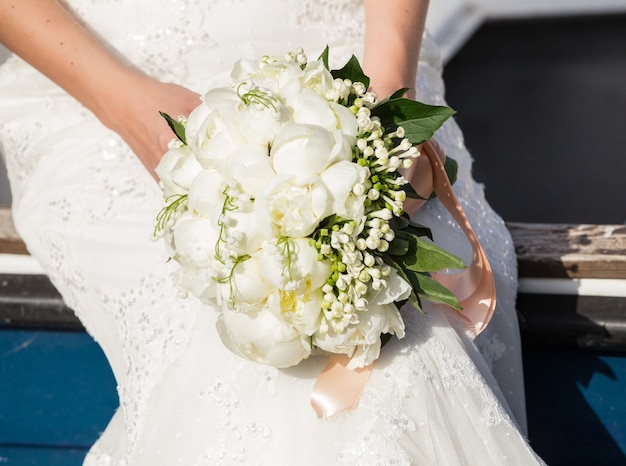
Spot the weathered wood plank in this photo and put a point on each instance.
(543, 250)
(10, 241)
(574, 251)
(31, 301)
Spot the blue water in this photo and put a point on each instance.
(57, 394)
(576, 405)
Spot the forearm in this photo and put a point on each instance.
(393, 36)
(48, 37)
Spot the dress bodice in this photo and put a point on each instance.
(165, 40)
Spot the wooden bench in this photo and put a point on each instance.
(572, 286)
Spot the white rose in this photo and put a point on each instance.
(262, 337)
(340, 179)
(292, 207)
(302, 150)
(176, 170)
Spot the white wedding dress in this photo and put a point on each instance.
(85, 207)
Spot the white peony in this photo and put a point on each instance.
(377, 320)
(341, 180)
(271, 76)
(243, 163)
(247, 285)
(252, 169)
(242, 235)
(206, 194)
(302, 150)
(261, 116)
(291, 206)
(317, 77)
(361, 341)
(176, 170)
(309, 108)
(218, 137)
(346, 122)
(294, 269)
(397, 289)
(262, 337)
(216, 99)
(194, 241)
(197, 281)
(301, 308)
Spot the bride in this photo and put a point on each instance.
(81, 134)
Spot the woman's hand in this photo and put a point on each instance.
(134, 115)
(47, 36)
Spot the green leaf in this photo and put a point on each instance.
(452, 167)
(432, 258)
(411, 193)
(419, 120)
(434, 291)
(416, 302)
(177, 127)
(424, 256)
(352, 71)
(419, 230)
(409, 226)
(398, 247)
(399, 223)
(324, 57)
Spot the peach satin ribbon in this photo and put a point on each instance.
(338, 388)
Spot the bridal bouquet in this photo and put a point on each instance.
(284, 210)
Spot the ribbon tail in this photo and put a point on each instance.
(338, 388)
(474, 287)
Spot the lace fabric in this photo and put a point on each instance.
(85, 206)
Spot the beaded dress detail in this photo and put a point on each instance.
(85, 207)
